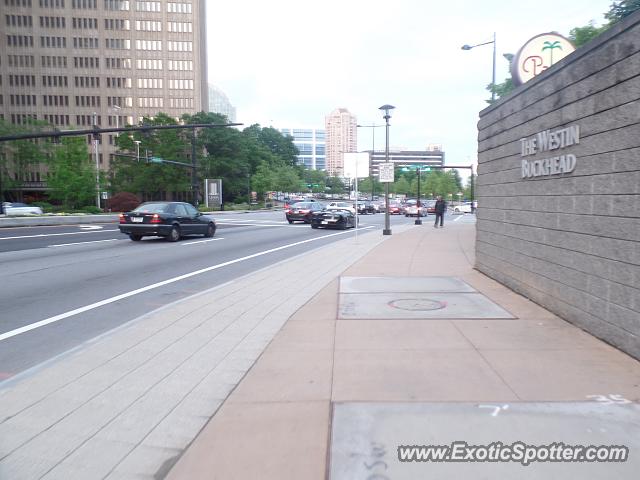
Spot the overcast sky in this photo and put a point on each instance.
(289, 63)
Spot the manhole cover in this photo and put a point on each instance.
(417, 304)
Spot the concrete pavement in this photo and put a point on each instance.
(285, 374)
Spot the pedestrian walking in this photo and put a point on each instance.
(440, 208)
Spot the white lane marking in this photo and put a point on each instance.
(456, 219)
(83, 243)
(203, 241)
(57, 234)
(90, 227)
(86, 308)
(253, 224)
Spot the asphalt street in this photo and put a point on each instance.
(63, 286)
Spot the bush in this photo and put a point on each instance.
(123, 202)
(45, 206)
(92, 209)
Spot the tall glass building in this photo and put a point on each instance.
(311, 144)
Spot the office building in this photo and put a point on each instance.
(220, 103)
(341, 137)
(433, 156)
(311, 145)
(76, 63)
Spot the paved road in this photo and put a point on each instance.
(65, 285)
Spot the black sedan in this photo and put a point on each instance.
(302, 211)
(342, 219)
(171, 220)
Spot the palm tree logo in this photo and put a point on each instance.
(550, 46)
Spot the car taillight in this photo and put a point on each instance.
(156, 218)
(121, 218)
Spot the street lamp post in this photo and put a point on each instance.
(373, 149)
(95, 151)
(387, 226)
(493, 78)
(418, 205)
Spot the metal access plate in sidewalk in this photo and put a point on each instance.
(366, 437)
(413, 298)
(403, 284)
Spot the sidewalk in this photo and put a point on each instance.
(329, 395)
(327, 377)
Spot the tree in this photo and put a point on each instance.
(620, 10)
(153, 181)
(581, 35)
(19, 158)
(72, 176)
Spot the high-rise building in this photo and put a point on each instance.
(311, 145)
(341, 137)
(220, 103)
(76, 63)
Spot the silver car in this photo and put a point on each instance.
(20, 209)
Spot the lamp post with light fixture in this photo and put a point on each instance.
(387, 116)
(493, 78)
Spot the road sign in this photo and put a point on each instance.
(386, 172)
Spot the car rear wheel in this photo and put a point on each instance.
(290, 221)
(174, 234)
(313, 225)
(211, 231)
(135, 238)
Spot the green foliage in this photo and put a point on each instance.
(72, 176)
(18, 158)
(91, 209)
(620, 10)
(123, 202)
(153, 181)
(335, 185)
(582, 35)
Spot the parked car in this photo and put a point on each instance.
(341, 206)
(431, 206)
(462, 208)
(171, 220)
(395, 208)
(302, 211)
(17, 208)
(365, 206)
(342, 219)
(412, 210)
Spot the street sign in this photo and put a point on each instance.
(386, 172)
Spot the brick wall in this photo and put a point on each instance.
(570, 242)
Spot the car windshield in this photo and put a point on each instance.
(151, 208)
(302, 205)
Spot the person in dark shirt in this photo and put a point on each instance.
(440, 208)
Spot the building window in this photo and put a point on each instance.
(148, 6)
(178, 7)
(118, 5)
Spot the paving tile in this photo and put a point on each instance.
(415, 375)
(95, 458)
(287, 376)
(305, 336)
(563, 374)
(146, 460)
(260, 441)
(398, 335)
(544, 334)
(25, 467)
